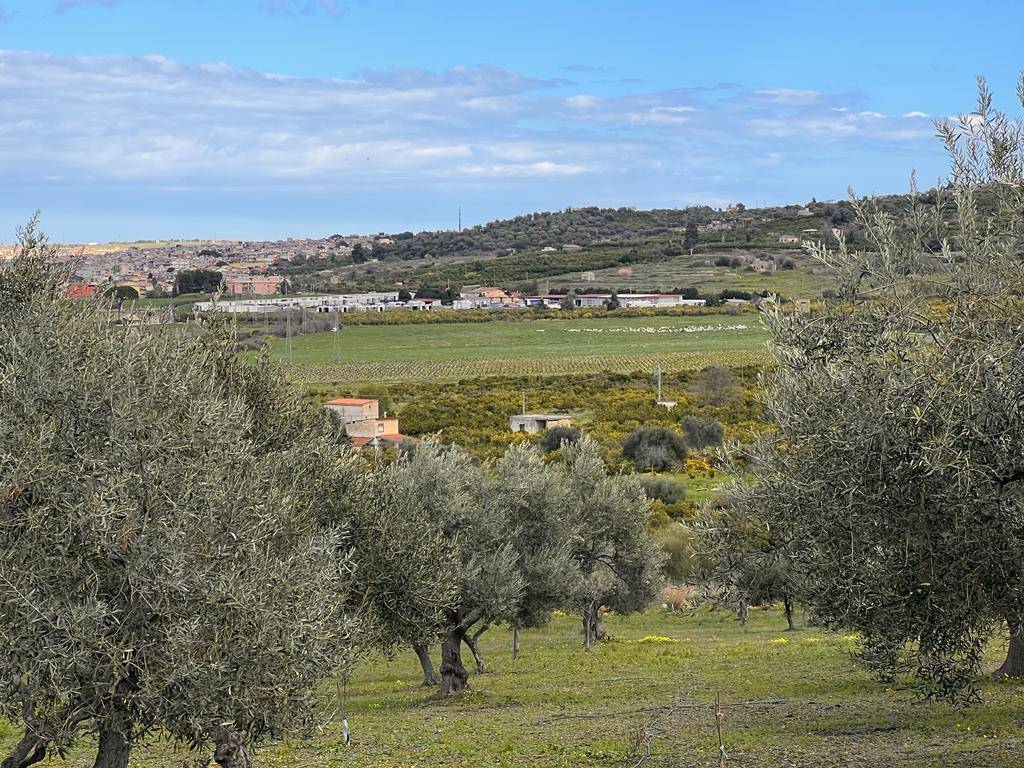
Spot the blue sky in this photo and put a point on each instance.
(131, 119)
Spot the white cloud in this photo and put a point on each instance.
(788, 96)
(157, 123)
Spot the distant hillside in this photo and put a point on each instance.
(624, 247)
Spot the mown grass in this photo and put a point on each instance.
(468, 341)
(789, 698)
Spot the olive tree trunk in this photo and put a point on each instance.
(230, 751)
(430, 677)
(593, 630)
(787, 604)
(515, 643)
(29, 751)
(1013, 665)
(472, 641)
(454, 677)
(115, 745)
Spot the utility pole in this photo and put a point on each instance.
(460, 218)
(659, 381)
(524, 402)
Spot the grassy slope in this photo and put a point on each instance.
(696, 271)
(789, 699)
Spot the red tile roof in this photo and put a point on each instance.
(351, 401)
(81, 291)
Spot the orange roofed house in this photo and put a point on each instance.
(81, 290)
(364, 424)
(254, 285)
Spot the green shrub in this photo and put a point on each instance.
(552, 438)
(654, 448)
(667, 490)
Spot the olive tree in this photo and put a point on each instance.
(169, 558)
(743, 561)
(552, 438)
(703, 433)
(654, 448)
(619, 561)
(435, 489)
(715, 385)
(442, 486)
(510, 537)
(533, 498)
(896, 473)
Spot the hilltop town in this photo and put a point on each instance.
(583, 251)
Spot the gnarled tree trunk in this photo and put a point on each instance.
(472, 640)
(115, 746)
(787, 604)
(1013, 666)
(29, 751)
(230, 749)
(454, 677)
(430, 677)
(515, 643)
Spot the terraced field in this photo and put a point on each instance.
(451, 352)
(698, 271)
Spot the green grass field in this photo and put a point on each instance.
(541, 347)
(789, 699)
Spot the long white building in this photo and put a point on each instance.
(349, 302)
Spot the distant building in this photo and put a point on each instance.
(81, 291)
(548, 249)
(788, 239)
(548, 300)
(572, 248)
(637, 300)
(348, 302)
(532, 423)
(802, 306)
(423, 304)
(254, 285)
(765, 266)
(588, 277)
(485, 297)
(364, 425)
